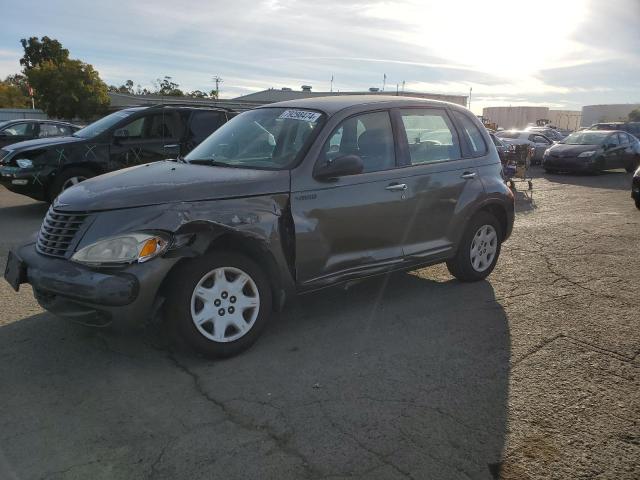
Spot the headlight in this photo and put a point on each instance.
(130, 248)
(588, 153)
(24, 163)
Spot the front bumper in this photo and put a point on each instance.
(123, 297)
(25, 181)
(570, 164)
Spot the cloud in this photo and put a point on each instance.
(563, 53)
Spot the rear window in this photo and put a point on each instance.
(473, 135)
(506, 134)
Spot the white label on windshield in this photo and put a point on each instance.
(303, 115)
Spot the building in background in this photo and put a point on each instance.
(19, 113)
(565, 119)
(515, 117)
(119, 101)
(272, 95)
(606, 113)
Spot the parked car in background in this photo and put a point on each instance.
(287, 198)
(630, 127)
(548, 132)
(503, 149)
(538, 142)
(14, 131)
(593, 151)
(635, 188)
(42, 168)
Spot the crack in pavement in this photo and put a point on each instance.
(246, 423)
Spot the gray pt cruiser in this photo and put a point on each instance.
(282, 200)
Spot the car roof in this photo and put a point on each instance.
(335, 103)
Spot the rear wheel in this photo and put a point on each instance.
(67, 179)
(479, 249)
(219, 303)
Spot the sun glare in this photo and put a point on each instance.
(509, 38)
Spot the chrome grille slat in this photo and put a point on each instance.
(58, 232)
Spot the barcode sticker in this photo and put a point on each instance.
(304, 115)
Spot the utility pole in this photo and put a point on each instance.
(218, 81)
(331, 83)
(384, 81)
(402, 86)
(470, 90)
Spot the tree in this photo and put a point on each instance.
(64, 88)
(70, 89)
(20, 81)
(12, 97)
(213, 94)
(165, 86)
(197, 94)
(36, 52)
(634, 115)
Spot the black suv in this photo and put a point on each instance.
(14, 131)
(42, 168)
(284, 199)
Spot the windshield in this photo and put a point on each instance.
(585, 137)
(269, 138)
(99, 126)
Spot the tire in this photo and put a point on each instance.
(217, 305)
(68, 178)
(462, 266)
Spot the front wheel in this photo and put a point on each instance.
(632, 166)
(67, 179)
(219, 303)
(479, 249)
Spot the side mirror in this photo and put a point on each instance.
(340, 167)
(121, 133)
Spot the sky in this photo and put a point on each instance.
(558, 53)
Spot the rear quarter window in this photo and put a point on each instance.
(475, 144)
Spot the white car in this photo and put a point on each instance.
(523, 137)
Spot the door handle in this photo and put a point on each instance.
(468, 175)
(396, 187)
(173, 145)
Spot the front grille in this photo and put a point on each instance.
(58, 232)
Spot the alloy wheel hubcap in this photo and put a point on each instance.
(73, 181)
(483, 248)
(225, 304)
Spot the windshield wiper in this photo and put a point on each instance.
(209, 161)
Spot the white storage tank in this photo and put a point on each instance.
(515, 117)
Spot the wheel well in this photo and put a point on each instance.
(498, 212)
(243, 245)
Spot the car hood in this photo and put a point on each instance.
(167, 182)
(572, 149)
(41, 142)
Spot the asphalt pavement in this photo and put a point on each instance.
(532, 374)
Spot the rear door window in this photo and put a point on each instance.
(430, 135)
(470, 132)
